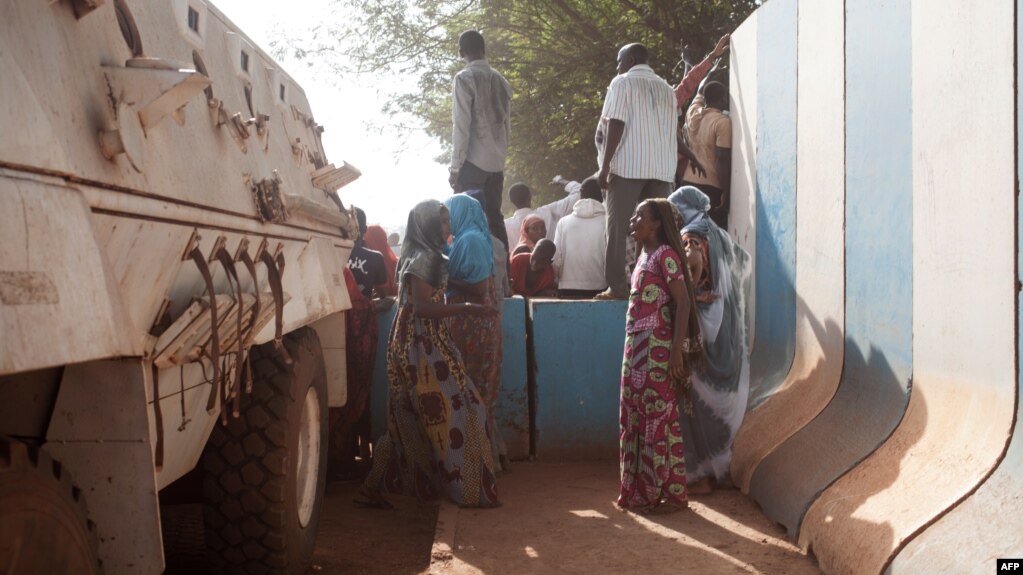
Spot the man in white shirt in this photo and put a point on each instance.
(580, 240)
(481, 118)
(522, 198)
(636, 152)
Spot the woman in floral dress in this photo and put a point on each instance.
(436, 441)
(662, 339)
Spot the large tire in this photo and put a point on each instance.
(44, 525)
(265, 472)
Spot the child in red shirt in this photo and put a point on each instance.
(532, 274)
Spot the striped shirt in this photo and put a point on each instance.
(647, 105)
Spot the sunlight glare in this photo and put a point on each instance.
(589, 513)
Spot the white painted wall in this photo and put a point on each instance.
(743, 109)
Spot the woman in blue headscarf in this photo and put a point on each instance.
(720, 269)
(471, 279)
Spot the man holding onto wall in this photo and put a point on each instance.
(636, 152)
(710, 136)
(481, 115)
(685, 90)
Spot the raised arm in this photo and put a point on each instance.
(554, 211)
(687, 87)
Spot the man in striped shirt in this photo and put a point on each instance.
(636, 152)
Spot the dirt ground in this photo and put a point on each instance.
(561, 518)
(352, 540)
(555, 518)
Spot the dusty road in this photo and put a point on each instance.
(555, 518)
(561, 518)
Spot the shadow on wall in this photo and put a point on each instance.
(771, 357)
(840, 509)
(866, 409)
(791, 407)
(885, 498)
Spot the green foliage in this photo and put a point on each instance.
(558, 55)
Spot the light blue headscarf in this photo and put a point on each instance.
(721, 387)
(693, 205)
(471, 255)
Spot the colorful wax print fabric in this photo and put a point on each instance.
(652, 462)
(437, 439)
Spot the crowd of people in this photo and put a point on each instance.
(618, 234)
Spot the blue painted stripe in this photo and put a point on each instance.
(775, 340)
(874, 390)
(578, 348)
(513, 408)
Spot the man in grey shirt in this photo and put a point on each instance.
(481, 114)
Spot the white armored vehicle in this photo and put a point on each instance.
(171, 289)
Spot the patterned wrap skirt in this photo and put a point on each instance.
(653, 468)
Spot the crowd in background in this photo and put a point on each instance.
(615, 235)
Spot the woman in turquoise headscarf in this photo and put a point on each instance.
(721, 386)
(471, 279)
(436, 441)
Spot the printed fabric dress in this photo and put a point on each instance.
(479, 339)
(471, 260)
(720, 389)
(436, 441)
(653, 468)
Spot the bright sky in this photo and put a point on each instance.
(349, 108)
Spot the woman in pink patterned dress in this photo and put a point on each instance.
(662, 339)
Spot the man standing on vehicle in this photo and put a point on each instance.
(481, 114)
(636, 152)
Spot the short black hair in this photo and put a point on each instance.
(360, 216)
(590, 190)
(545, 247)
(471, 42)
(520, 195)
(716, 95)
(638, 52)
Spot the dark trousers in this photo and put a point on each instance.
(623, 195)
(471, 177)
(718, 213)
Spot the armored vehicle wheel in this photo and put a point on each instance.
(265, 472)
(44, 526)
